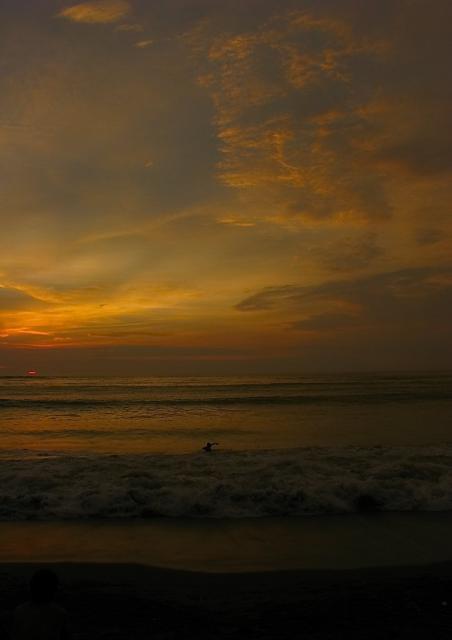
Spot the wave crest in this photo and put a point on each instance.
(226, 484)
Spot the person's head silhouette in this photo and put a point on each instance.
(43, 586)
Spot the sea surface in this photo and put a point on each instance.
(131, 448)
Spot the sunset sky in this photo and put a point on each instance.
(225, 186)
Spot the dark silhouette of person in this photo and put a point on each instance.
(41, 618)
(209, 445)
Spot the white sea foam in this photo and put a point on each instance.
(225, 484)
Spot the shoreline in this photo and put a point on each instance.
(338, 542)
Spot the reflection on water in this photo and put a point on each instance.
(179, 414)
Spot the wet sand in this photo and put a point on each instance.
(237, 545)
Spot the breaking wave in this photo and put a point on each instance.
(225, 484)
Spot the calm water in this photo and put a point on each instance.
(131, 447)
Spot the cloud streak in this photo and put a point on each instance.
(410, 304)
(403, 284)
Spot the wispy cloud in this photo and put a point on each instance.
(236, 222)
(97, 12)
(142, 44)
(287, 114)
(130, 27)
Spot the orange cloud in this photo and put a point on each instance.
(280, 140)
(98, 12)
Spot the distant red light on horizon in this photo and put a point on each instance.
(32, 372)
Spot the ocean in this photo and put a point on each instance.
(81, 449)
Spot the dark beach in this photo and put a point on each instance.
(133, 601)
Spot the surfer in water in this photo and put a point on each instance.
(209, 445)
